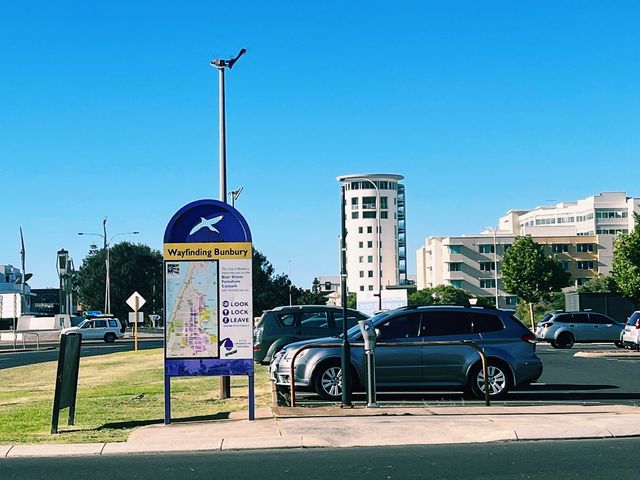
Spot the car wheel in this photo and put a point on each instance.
(499, 380)
(554, 344)
(328, 382)
(110, 337)
(619, 344)
(565, 340)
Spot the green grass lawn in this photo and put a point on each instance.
(106, 410)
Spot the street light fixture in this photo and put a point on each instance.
(107, 244)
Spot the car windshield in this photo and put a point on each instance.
(355, 330)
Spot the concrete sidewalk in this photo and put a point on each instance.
(336, 427)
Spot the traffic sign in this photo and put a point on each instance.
(131, 301)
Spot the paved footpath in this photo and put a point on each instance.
(336, 427)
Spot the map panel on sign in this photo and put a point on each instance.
(192, 309)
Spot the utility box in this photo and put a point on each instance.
(615, 306)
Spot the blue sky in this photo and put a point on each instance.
(110, 109)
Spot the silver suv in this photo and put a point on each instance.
(508, 345)
(563, 329)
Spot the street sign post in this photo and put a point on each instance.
(208, 304)
(135, 301)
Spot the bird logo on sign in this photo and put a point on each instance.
(206, 223)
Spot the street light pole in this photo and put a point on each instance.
(221, 64)
(378, 233)
(107, 245)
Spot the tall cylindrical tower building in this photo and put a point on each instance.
(375, 220)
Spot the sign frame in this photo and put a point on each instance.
(212, 231)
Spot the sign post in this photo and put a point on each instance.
(135, 301)
(208, 300)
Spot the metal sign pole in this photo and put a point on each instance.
(135, 324)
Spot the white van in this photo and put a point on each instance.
(631, 334)
(107, 329)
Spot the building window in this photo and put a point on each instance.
(383, 203)
(454, 267)
(360, 244)
(370, 259)
(360, 230)
(565, 266)
(486, 248)
(487, 266)
(354, 215)
(456, 283)
(361, 273)
(511, 300)
(369, 214)
(360, 259)
(384, 214)
(369, 244)
(362, 288)
(453, 249)
(370, 288)
(354, 201)
(370, 274)
(369, 229)
(584, 247)
(585, 265)
(368, 203)
(487, 283)
(559, 248)
(581, 281)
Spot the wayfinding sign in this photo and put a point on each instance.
(208, 295)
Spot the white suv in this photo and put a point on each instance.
(107, 329)
(631, 333)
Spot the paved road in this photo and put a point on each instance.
(557, 460)
(90, 348)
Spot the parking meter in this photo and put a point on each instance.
(369, 336)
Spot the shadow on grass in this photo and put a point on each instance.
(153, 421)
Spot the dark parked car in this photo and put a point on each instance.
(563, 329)
(509, 347)
(283, 325)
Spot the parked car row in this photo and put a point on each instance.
(508, 344)
(509, 347)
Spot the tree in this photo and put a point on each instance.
(444, 295)
(626, 263)
(269, 290)
(600, 284)
(531, 274)
(133, 267)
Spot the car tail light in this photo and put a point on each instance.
(256, 348)
(529, 338)
(638, 323)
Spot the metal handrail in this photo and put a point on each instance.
(464, 343)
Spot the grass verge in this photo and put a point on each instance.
(107, 409)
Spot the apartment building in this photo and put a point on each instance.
(472, 262)
(376, 231)
(608, 213)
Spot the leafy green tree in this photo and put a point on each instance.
(531, 274)
(626, 263)
(269, 290)
(600, 284)
(133, 267)
(444, 295)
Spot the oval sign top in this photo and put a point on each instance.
(206, 221)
